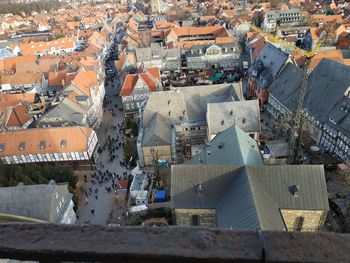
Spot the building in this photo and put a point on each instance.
(326, 107)
(174, 122)
(55, 47)
(18, 111)
(245, 114)
(23, 83)
(140, 189)
(79, 104)
(42, 203)
(137, 87)
(280, 198)
(68, 145)
(231, 146)
(186, 37)
(225, 56)
(281, 18)
(166, 59)
(266, 68)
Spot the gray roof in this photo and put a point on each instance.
(286, 86)
(157, 132)
(155, 51)
(276, 179)
(231, 146)
(325, 97)
(188, 103)
(4, 53)
(35, 201)
(245, 114)
(272, 58)
(249, 197)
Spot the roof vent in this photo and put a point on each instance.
(221, 145)
(243, 121)
(231, 113)
(199, 190)
(63, 143)
(169, 102)
(169, 113)
(209, 152)
(22, 146)
(294, 190)
(42, 145)
(184, 112)
(222, 122)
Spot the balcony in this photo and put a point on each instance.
(55, 243)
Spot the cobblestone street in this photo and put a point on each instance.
(96, 204)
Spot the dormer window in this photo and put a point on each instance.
(42, 145)
(22, 146)
(63, 143)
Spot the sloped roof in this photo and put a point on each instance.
(188, 103)
(76, 139)
(249, 197)
(273, 58)
(157, 132)
(35, 201)
(18, 116)
(84, 80)
(245, 114)
(150, 77)
(230, 147)
(326, 94)
(285, 87)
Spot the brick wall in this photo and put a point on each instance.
(313, 219)
(207, 217)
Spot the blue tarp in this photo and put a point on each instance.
(160, 196)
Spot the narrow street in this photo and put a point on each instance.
(98, 188)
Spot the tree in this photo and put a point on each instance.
(76, 18)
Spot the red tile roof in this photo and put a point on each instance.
(150, 76)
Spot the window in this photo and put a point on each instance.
(22, 146)
(42, 144)
(2, 147)
(63, 143)
(298, 223)
(195, 220)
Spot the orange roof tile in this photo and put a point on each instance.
(7, 100)
(30, 49)
(56, 78)
(84, 80)
(129, 84)
(335, 55)
(76, 140)
(18, 116)
(10, 63)
(22, 78)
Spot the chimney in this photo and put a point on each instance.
(199, 190)
(294, 190)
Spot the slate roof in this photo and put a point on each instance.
(325, 96)
(285, 87)
(157, 132)
(245, 114)
(272, 58)
(188, 103)
(35, 201)
(230, 147)
(248, 197)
